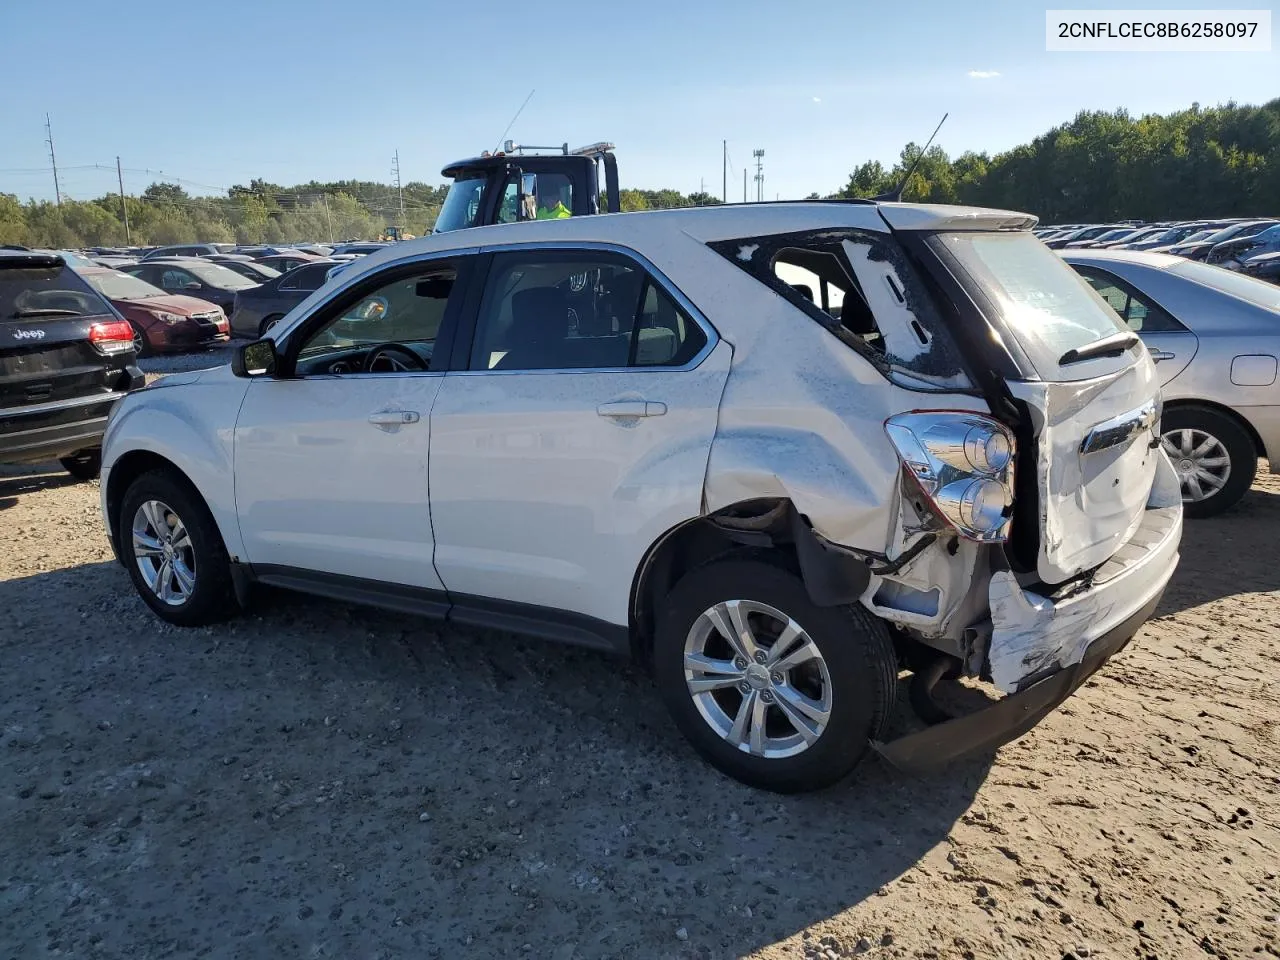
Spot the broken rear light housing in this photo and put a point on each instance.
(963, 464)
(111, 337)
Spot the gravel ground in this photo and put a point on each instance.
(317, 780)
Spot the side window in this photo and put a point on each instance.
(307, 277)
(176, 279)
(1140, 314)
(402, 315)
(507, 209)
(553, 197)
(565, 311)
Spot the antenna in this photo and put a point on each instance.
(498, 145)
(896, 193)
(48, 127)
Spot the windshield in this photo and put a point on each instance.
(1048, 309)
(1231, 283)
(218, 276)
(462, 205)
(121, 286)
(1236, 229)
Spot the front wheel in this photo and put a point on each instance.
(83, 464)
(174, 552)
(768, 687)
(1213, 455)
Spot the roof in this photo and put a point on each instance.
(650, 230)
(1157, 261)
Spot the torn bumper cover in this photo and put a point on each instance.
(1054, 646)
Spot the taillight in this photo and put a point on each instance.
(112, 337)
(963, 464)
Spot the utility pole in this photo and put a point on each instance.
(328, 219)
(759, 155)
(744, 184)
(724, 168)
(124, 209)
(48, 129)
(395, 171)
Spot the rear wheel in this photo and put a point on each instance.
(173, 551)
(83, 464)
(141, 345)
(1213, 455)
(268, 323)
(770, 688)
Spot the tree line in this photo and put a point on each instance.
(1221, 161)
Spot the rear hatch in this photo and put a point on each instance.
(1085, 389)
(46, 314)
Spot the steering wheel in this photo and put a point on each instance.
(392, 358)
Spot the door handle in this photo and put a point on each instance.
(1158, 355)
(632, 408)
(393, 418)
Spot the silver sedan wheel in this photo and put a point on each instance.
(757, 679)
(1201, 461)
(163, 552)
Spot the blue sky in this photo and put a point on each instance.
(218, 93)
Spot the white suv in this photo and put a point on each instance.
(777, 451)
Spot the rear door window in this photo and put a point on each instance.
(1140, 313)
(563, 310)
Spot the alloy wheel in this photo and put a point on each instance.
(163, 552)
(757, 679)
(1201, 461)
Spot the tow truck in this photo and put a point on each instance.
(506, 186)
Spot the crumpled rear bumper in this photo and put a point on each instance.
(1042, 649)
(1014, 715)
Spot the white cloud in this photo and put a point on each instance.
(983, 74)
(817, 99)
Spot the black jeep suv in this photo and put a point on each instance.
(66, 357)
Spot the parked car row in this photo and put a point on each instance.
(1238, 243)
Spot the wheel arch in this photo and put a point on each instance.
(770, 527)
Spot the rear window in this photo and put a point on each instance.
(1039, 300)
(1234, 284)
(33, 292)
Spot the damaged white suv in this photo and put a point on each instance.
(779, 452)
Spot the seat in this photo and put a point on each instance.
(539, 326)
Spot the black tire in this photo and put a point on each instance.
(856, 647)
(213, 598)
(140, 342)
(267, 322)
(83, 464)
(1237, 442)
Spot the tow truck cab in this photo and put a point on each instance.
(506, 186)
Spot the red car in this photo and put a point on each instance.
(162, 322)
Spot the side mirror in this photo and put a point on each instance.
(192, 286)
(257, 359)
(527, 208)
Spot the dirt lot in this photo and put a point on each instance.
(317, 780)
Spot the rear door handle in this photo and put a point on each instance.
(393, 418)
(1158, 355)
(632, 408)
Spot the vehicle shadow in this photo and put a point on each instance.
(462, 792)
(17, 479)
(1233, 553)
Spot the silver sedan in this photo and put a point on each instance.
(1215, 336)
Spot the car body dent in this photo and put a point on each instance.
(193, 428)
(1078, 508)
